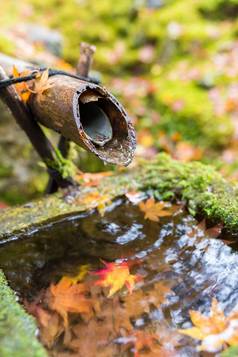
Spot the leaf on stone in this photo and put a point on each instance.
(216, 331)
(154, 210)
(115, 276)
(94, 199)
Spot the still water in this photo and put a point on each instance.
(176, 255)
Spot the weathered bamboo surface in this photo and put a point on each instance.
(83, 112)
(200, 187)
(63, 109)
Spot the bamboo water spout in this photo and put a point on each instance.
(88, 115)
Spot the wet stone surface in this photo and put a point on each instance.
(176, 252)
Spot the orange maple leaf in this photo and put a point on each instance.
(92, 179)
(115, 276)
(153, 210)
(68, 297)
(21, 88)
(216, 331)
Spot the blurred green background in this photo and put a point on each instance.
(172, 63)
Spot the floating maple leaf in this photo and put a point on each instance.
(115, 276)
(154, 210)
(216, 331)
(21, 88)
(67, 297)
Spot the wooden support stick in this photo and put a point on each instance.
(25, 119)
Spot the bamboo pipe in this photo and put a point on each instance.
(88, 115)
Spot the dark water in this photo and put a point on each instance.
(176, 251)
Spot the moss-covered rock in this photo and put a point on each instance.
(17, 328)
(203, 189)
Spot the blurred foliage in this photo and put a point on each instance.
(173, 64)
(158, 46)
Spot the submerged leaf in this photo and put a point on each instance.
(216, 331)
(115, 276)
(67, 297)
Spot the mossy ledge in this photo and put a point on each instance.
(202, 188)
(17, 328)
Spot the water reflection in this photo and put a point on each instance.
(176, 250)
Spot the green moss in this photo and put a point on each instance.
(17, 329)
(230, 352)
(203, 190)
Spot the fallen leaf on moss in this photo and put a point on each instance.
(154, 210)
(216, 331)
(92, 179)
(115, 276)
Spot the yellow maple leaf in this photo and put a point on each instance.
(115, 276)
(154, 210)
(216, 331)
(21, 88)
(95, 200)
